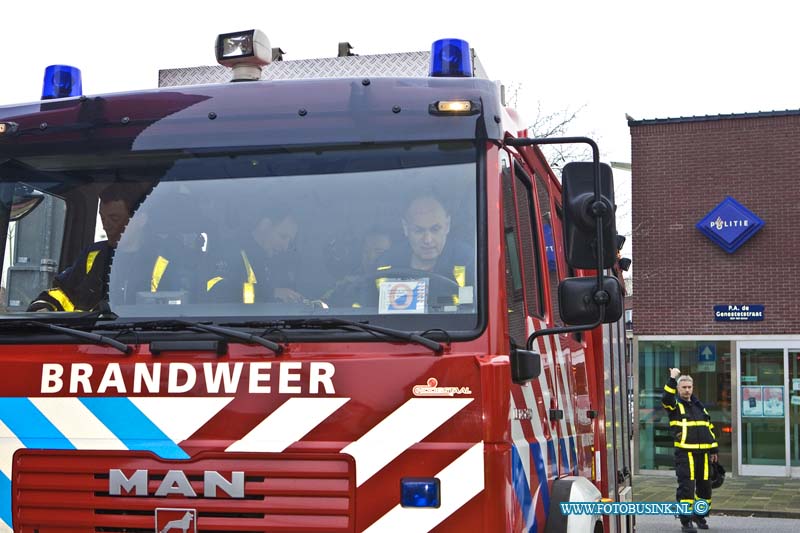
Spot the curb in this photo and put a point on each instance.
(756, 513)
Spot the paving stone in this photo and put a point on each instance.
(738, 495)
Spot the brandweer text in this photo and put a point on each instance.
(293, 377)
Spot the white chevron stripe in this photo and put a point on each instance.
(562, 424)
(524, 448)
(180, 417)
(9, 443)
(409, 424)
(558, 361)
(287, 424)
(5, 528)
(461, 480)
(569, 412)
(78, 424)
(566, 398)
(536, 420)
(546, 396)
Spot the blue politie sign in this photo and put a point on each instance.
(706, 353)
(730, 225)
(738, 313)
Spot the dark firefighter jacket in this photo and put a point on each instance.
(453, 264)
(83, 285)
(689, 421)
(79, 287)
(249, 275)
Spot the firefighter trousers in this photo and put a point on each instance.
(693, 470)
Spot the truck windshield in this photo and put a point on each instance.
(381, 233)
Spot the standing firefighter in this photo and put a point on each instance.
(695, 446)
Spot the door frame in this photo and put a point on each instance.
(766, 470)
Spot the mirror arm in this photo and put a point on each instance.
(566, 329)
(599, 210)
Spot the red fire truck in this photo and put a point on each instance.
(327, 297)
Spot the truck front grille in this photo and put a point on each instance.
(73, 491)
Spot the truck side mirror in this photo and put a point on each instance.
(580, 211)
(577, 305)
(525, 365)
(25, 201)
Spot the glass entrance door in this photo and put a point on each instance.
(769, 408)
(794, 411)
(762, 410)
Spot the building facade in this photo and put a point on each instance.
(716, 212)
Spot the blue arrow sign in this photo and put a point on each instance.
(706, 353)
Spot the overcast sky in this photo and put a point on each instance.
(606, 58)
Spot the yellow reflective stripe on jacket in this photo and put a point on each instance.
(251, 275)
(670, 407)
(385, 267)
(248, 287)
(460, 275)
(683, 428)
(61, 297)
(90, 260)
(158, 272)
(248, 293)
(213, 281)
(669, 389)
(686, 424)
(694, 446)
(689, 423)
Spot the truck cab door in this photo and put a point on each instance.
(534, 437)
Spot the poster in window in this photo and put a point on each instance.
(773, 401)
(752, 401)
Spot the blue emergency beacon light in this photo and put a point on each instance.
(450, 58)
(61, 81)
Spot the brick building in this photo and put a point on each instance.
(717, 293)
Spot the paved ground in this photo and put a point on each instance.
(742, 496)
(719, 524)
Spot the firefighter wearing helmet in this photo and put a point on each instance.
(695, 448)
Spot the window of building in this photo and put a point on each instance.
(712, 385)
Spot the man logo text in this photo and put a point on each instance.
(175, 482)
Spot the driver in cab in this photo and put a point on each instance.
(426, 226)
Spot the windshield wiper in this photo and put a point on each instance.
(340, 323)
(77, 333)
(227, 333)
